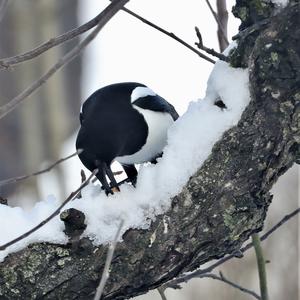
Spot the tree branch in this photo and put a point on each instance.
(169, 34)
(186, 277)
(232, 284)
(49, 168)
(222, 24)
(221, 21)
(33, 53)
(14, 60)
(161, 292)
(221, 205)
(201, 46)
(106, 15)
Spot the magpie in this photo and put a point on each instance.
(126, 122)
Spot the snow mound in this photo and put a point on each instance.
(281, 3)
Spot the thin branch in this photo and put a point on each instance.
(224, 279)
(55, 213)
(231, 283)
(220, 25)
(161, 291)
(106, 15)
(209, 50)
(170, 34)
(186, 277)
(49, 168)
(261, 265)
(279, 224)
(109, 257)
(3, 7)
(14, 60)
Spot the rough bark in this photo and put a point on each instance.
(220, 206)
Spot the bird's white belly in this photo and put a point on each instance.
(158, 125)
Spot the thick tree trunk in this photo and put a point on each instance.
(220, 206)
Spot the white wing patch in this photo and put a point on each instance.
(158, 125)
(140, 92)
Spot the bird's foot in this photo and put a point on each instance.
(129, 180)
(111, 190)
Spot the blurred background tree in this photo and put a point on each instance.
(34, 132)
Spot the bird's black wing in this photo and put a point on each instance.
(87, 105)
(157, 103)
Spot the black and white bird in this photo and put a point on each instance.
(126, 122)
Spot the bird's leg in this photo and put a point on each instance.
(131, 173)
(101, 175)
(113, 182)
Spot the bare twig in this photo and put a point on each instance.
(3, 7)
(222, 24)
(55, 213)
(161, 291)
(208, 50)
(186, 277)
(106, 15)
(109, 257)
(14, 60)
(279, 224)
(231, 283)
(170, 34)
(49, 168)
(261, 265)
(221, 27)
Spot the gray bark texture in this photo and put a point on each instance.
(219, 207)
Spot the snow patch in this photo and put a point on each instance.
(190, 141)
(14, 221)
(140, 92)
(281, 3)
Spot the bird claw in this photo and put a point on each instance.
(111, 191)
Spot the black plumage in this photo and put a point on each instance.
(113, 127)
